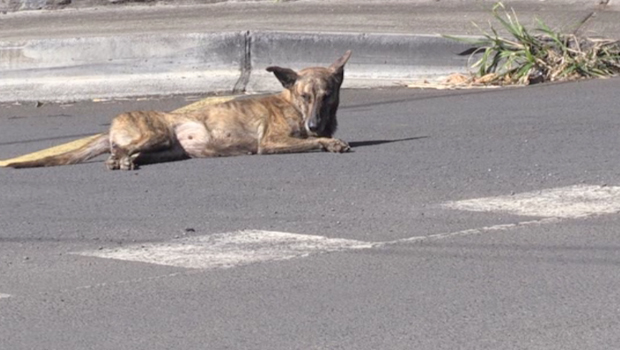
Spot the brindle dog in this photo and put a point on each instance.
(300, 118)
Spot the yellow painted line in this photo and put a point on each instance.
(66, 147)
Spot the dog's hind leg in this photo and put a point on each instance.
(136, 132)
(149, 142)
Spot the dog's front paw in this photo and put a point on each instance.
(336, 146)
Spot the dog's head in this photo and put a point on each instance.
(315, 92)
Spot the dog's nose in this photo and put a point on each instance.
(313, 125)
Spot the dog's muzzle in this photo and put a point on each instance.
(312, 125)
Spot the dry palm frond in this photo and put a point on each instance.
(550, 56)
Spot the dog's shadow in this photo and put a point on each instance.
(355, 144)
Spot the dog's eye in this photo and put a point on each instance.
(306, 97)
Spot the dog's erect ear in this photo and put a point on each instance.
(337, 66)
(286, 76)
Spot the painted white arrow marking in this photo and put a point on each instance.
(230, 249)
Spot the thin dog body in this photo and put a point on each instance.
(301, 118)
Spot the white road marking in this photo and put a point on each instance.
(2, 296)
(225, 250)
(565, 202)
(230, 249)
(473, 231)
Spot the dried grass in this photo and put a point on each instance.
(549, 56)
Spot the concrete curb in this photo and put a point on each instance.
(140, 65)
(378, 59)
(108, 67)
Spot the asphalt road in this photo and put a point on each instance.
(376, 248)
(361, 16)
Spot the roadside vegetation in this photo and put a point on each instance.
(537, 55)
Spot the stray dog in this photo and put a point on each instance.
(300, 118)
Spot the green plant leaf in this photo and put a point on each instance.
(551, 53)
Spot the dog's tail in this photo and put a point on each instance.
(99, 144)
